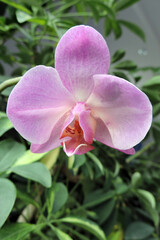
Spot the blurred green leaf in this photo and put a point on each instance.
(133, 28)
(16, 5)
(147, 196)
(122, 4)
(156, 109)
(108, 225)
(16, 231)
(121, 75)
(26, 198)
(107, 26)
(104, 210)
(155, 81)
(7, 199)
(118, 55)
(87, 225)
(79, 161)
(60, 234)
(34, 171)
(138, 230)
(60, 196)
(97, 197)
(96, 161)
(22, 16)
(5, 123)
(136, 179)
(28, 157)
(153, 94)
(10, 150)
(116, 28)
(126, 65)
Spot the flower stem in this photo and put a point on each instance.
(9, 83)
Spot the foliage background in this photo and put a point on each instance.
(103, 194)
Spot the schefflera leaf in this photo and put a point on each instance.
(10, 151)
(86, 224)
(5, 123)
(7, 199)
(35, 171)
(16, 231)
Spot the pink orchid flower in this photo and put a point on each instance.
(77, 101)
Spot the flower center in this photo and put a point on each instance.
(73, 132)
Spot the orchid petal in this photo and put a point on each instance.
(54, 139)
(70, 147)
(36, 103)
(102, 135)
(125, 110)
(81, 53)
(88, 125)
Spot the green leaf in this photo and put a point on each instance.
(5, 123)
(153, 94)
(60, 196)
(155, 81)
(97, 197)
(138, 230)
(16, 5)
(60, 234)
(79, 161)
(116, 28)
(22, 16)
(34, 171)
(9, 152)
(96, 161)
(104, 210)
(108, 225)
(16, 231)
(107, 26)
(28, 157)
(118, 55)
(26, 198)
(147, 196)
(121, 75)
(122, 4)
(126, 65)
(136, 178)
(133, 28)
(121, 188)
(156, 109)
(94, 10)
(87, 225)
(7, 199)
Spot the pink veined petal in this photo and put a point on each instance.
(81, 53)
(37, 102)
(88, 125)
(71, 148)
(125, 110)
(54, 139)
(102, 135)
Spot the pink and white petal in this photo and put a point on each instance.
(81, 53)
(36, 125)
(125, 110)
(37, 102)
(88, 125)
(54, 139)
(102, 135)
(71, 148)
